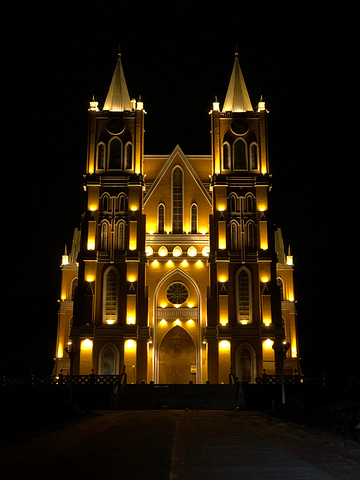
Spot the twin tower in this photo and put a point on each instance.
(175, 271)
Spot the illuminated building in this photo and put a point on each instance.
(176, 272)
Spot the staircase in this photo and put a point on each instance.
(154, 397)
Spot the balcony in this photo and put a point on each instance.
(170, 313)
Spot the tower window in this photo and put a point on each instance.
(240, 156)
(250, 238)
(234, 236)
(254, 156)
(115, 147)
(226, 156)
(280, 284)
(128, 156)
(194, 218)
(177, 206)
(74, 286)
(249, 203)
(104, 236)
(243, 287)
(232, 203)
(110, 297)
(122, 203)
(105, 203)
(101, 156)
(121, 236)
(161, 218)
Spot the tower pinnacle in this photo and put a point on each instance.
(118, 99)
(237, 98)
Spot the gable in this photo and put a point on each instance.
(192, 183)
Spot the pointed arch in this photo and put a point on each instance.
(250, 234)
(245, 363)
(161, 218)
(243, 285)
(191, 281)
(104, 235)
(128, 156)
(120, 235)
(74, 286)
(100, 156)
(254, 156)
(105, 202)
(110, 296)
(240, 155)
(177, 184)
(109, 359)
(115, 154)
(249, 203)
(280, 284)
(194, 218)
(234, 229)
(121, 201)
(233, 202)
(226, 156)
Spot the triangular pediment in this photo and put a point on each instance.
(177, 157)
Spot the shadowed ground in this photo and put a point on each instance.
(178, 444)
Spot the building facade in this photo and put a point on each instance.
(176, 272)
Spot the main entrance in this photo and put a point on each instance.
(177, 357)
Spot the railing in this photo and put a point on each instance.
(61, 379)
(290, 380)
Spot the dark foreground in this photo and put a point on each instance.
(180, 444)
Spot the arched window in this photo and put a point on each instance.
(280, 284)
(232, 203)
(250, 235)
(108, 364)
(226, 156)
(161, 218)
(234, 236)
(128, 156)
(244, 297)
(74, 286)
(177, 201)
(115, 153)
(100, 156)
(122, 203)
(240, 155)
(254, 164)
(121, 236)
(104, 229)
(249, 203)
(105, 203)
(110, 297)
(194, 218)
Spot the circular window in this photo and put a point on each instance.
(177, 293)
(115, 125)
(239, 126)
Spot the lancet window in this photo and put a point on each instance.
(110, 303)
(177, 201)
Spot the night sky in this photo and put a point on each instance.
(301, 56)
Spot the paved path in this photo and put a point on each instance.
(177, 445)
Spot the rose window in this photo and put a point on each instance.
(177, 293)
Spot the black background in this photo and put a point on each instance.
(301, 56)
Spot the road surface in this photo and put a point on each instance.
(180, 445)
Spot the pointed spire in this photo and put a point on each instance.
(237, 98)
(118, 98)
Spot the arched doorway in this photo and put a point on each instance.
(177, 357)
(246, 363)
